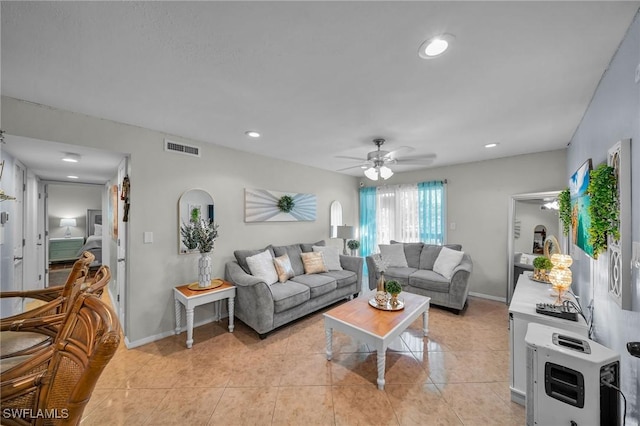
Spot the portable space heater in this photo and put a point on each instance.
(564, 374)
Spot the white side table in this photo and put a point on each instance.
(192, 298)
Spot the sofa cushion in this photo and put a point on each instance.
(399, 274)
(283, 268)
(261, 266)
(429, 280)
(289, 295)
(393, 255)
(331, 256)
(241, 257)
(412, 253)
(343, 278)
(447, 261)
(308, 248)
(318, 284)
(293, 251)
(313, 263)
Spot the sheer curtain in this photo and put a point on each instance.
(368, 242)
(407, 213)
(432, 215)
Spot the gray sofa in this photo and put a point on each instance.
(419, 277)
(266, 307)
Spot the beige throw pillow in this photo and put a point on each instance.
(261, 266)
(447, 261)
(313, 263)
(283, 268)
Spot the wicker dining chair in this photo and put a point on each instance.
(37, 328)
(79, 271)
(54, 386)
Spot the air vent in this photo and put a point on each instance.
(181, 148)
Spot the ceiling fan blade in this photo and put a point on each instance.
(413, 162)
(396, 152)
(345, 157)
(353, 167)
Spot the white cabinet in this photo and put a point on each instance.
(522, 311)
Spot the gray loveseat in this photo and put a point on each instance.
(418, 277)
(266, 307)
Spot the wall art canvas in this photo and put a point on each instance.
(580, 201)
(261, 205)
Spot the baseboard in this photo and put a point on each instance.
(486, 296)
(140, 342)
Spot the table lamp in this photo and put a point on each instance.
(67, 223)
(345, 232)
(560, 275)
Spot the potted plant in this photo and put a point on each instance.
(542, 265)
(201, 234)
(353, 246)
(394, 288)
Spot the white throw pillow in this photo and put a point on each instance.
(97, 230)
(393, 255)
(447, 261)
(331, 257)
(261, 266)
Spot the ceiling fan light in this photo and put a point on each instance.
(385, 172)
(371, 173)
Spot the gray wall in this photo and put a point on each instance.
(478, 196)
(159, 178)
(614, 114)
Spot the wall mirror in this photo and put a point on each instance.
(335, 218)
(193, 205)
(528, 217)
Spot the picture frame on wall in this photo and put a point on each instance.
(580, 201)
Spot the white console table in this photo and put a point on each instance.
(522, 311)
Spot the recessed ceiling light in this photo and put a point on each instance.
(252, 134)
(71, 158)
(435, 46)
(491, 145)
(72, 177)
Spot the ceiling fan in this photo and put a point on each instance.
(377, 163)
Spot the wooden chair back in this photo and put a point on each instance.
(60, 380)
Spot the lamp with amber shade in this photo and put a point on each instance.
(560, 275)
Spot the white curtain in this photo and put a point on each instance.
(397, 213)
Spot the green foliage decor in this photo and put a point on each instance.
(200, 234)
(564, 202)
(286, 203)
(393, 287)
(604, 208)
(353, 244)
(542, 262)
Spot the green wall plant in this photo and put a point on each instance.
(604, 208)
(286, 203)
(564, 202)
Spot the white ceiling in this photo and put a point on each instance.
(321, 79)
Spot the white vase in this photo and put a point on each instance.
(204, 270)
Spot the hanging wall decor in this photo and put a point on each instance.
(261, 205)
(619, 158)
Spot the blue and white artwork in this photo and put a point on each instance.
(580, 201)
(261, 205)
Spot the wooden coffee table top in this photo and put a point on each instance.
(359, 314)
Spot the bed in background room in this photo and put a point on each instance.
(93, 244)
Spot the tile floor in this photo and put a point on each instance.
(457, 376)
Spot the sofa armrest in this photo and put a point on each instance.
(460, 280)
(372, 273)
(353, 264)
(254, 300)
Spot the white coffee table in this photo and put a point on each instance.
(373, 326)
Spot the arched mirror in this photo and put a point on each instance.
(194, 204)
(335, 218)
(539, 237)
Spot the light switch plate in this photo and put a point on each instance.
(148, 237)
